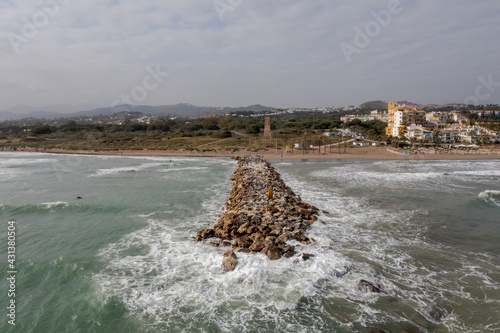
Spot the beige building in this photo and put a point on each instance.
(400, 116)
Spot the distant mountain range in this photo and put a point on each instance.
(179, 110)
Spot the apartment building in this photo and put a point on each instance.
(418, 132)
(452, 133)
(400, 116)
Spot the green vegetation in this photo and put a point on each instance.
(239, 131)
(374, 129)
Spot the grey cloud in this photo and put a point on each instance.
(279, 53)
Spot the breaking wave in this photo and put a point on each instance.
(490, 197)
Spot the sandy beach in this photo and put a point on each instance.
(358, 153)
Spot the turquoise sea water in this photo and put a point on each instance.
(121, 258)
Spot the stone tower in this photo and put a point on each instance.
(267, 127)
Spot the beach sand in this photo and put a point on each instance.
(358, 153)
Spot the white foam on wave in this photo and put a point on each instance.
(160, 272)
(421, 174)
(385, 245)
(487, 173)
(182, 169)
(171, 159)
(490, 196)
(23, 161)
(50, 205)
(174, 273)
(23, 154)
(111, 171)
(11, 173)
(360, 176)
(12, 168)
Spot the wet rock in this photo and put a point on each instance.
(273, 253)
(306, 256)
(207, 233)
(288, 251)
(284, 237)
(243, 228)
(257, 246)
(231, 255)
(368, 286)
(229, 264)
(437, 313)
(338, 273)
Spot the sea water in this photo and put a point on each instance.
(104, 244)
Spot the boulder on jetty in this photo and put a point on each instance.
(261, 214)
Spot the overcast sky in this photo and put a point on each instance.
(279, 53)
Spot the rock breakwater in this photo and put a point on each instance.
(261, 215)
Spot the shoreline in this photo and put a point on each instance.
(360, 153)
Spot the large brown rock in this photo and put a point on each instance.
(229, 264)
(257, 245)
(273, 253)
(230, 255)
(243, 228)
(207, 233)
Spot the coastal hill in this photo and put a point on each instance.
(380, 105)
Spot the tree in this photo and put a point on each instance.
(403, 129)
(253, 129)
(39, 128)
(483, 139)
(435, 136)
(354, 122)
(227, 123)
(70, 126)
(210, 124)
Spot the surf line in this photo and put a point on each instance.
(261, 215)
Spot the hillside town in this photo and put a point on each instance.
(409, 123)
